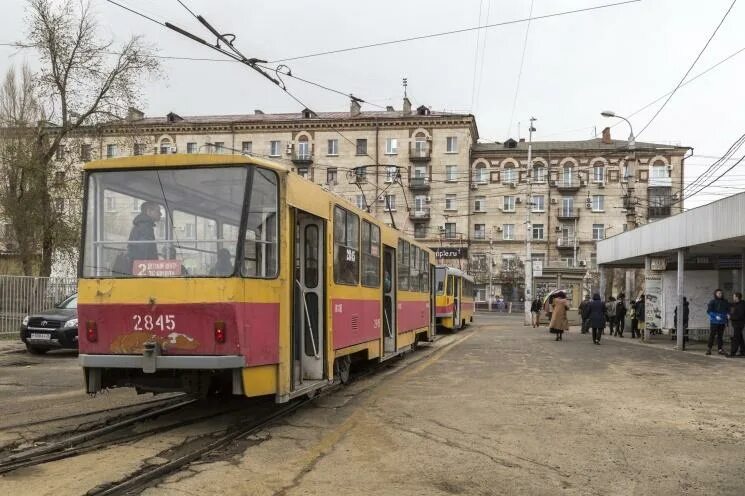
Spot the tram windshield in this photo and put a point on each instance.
(180, 223)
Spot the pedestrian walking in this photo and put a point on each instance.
(620, 314)
(737, 318)
(548, 307)
(581, 310)
(610, 314)
(559, 321)
(535, 312)
(718, 311)
(595, 313)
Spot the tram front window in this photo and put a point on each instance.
(167, 222)
(440, 274)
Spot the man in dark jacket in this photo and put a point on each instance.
(581, 310)
(686, 315)
(620, 315)
(639, 309)
(737, 317)
(594, 313)
(143, 230)
(718, 311)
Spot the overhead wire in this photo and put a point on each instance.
(520, 71)
(690, 68)
(476, 56)
(454, 31)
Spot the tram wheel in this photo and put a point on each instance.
(343, 366)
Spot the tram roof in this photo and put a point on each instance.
(181, 160)
(455, 272)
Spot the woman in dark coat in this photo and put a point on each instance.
(595, 313)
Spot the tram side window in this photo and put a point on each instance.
(424, 271)
(414, 268)
(403, 265)
(370, 255)
(260, 245)
(440, 275)
(451, 285)
(346, 247)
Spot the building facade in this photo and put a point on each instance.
(426, 173)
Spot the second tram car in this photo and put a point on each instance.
(203, 272)
(454, 301)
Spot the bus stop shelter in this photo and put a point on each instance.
(686, 255)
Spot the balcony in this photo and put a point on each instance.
(660, 182)
(420, 152)
(653, 212)
(565, 243)
(302, 158)
(419, 214)
(568, 214)
(567, 185)
(419, 184)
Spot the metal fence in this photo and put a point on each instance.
(22, 295)
(503, 306)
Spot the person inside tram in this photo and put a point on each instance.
(224, 266)
(143, 233)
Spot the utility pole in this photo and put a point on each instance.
(574, 243)
(529, 229)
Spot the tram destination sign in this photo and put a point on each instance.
(450, 253)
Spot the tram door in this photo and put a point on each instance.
(432, 301)
(309, 302)
(455, 281)
(389, 300)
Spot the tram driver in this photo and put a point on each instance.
(143, 232)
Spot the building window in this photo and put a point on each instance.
(360, 202)
(220, 147)
(420, 231)
(509, 176)
(59, 178)
(346, 247)
(508, 231)
(479, 231)
(370, 255)
(478, 262)
(450, 202)
(598, 174)
(60, 152)
(247, 147)
(479, 204)
(139, 149)
(274, 148)
(361, 147)
(539, 174)
(598, 203)
(165, 146)
(451, 173)
(538, 203)
(625, 172)
(333, 147)
(479, 174)
(508, 204)
(568, 261)
(450, 230)
(85, 153)
(331, 176)
(360, 174)
(659, 170)
(191, 147)
(112, 151)
(508, 261)
(391, 146)
(302, 172)
(538, 231)
(390, 203)
(598, 232)
(567, 175)
(420, 172)
(391, 173)
(451, 144)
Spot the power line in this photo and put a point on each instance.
(689, 69)
(483, 56)
(520, 72)
(476, 56)
(455, 31)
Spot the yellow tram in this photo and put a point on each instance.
(204, 272)
(454, 300)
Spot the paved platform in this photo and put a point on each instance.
(503, 409)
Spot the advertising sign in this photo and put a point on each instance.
(653, 301)
(156, 268)
(450, 253)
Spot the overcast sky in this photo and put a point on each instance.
(620, 58)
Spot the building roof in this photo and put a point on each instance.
(591, 144)
(294, 116)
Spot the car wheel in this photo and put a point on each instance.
(35, 350)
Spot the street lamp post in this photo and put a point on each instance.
(629, 177)
(528, 266)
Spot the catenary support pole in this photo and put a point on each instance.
(680, 327)
(528, 266)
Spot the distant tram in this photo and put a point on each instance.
(454, 299)
(205, 273)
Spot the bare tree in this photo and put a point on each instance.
(83, 81)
